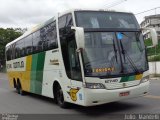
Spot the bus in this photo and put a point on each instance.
(84, 57)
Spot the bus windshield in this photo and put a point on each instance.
(105, 53)
(103, 19)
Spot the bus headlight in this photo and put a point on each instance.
(94, 86)
(145, 79)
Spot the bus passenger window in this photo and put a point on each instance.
(28, 45)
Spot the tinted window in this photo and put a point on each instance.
(65, 21)
(16, 50)
(48, 37)
(62, 22)
(102, 19)
(41, 40)
(37, 45)
(28, 45)
(22, 48)
(8, 53)
(53, 36)
(19, 51)
(13, 51)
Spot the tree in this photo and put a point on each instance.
(6, 36)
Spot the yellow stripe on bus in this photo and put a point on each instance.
(139, 77)
(27, 79)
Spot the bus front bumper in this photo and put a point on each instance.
(101, 96)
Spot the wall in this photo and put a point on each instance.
(154, 68)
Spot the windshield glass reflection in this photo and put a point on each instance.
(106, 55)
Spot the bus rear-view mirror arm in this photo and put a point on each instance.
(154, 37)
(79, 35)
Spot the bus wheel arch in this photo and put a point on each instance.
(59, 95)
(19, 87)
(55, 84)
(14, 83)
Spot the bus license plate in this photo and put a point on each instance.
(124, 94)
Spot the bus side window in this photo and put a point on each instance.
(36, 42)
(17, 49)
(28, 45)
(43, 37)
(8, 53)
(13, 51)
(53, 36)
(48, 37)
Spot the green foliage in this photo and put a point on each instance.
(6, 36)
(154, 58)
(3, 69)
(148, 42)
(153, 53)
(150, 51)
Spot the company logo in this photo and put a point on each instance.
(111, 81)
(73, 94)
(54, 62)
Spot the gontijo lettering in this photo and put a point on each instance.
(18, 64)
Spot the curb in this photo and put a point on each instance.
(155, 78)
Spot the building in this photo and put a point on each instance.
(152, 21)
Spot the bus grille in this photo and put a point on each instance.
(112, 86)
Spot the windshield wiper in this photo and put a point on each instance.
(128, 57)
(115, 50)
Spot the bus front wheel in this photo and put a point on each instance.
(60, 98)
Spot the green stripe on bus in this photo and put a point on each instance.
(124, 79)
(127, 78)
(131, 78)
(37, 73)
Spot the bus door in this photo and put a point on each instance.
(76, 91)
(70, 57)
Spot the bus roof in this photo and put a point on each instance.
(39, 26)
(107, 10)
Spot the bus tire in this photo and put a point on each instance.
(60, 97)
(19, 88)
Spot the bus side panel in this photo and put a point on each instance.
(10, 78)
(52, 72)
(18, 75)
(27, 74)
(37, 73)
(16, 71)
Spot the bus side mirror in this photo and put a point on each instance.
(79, 35)
(154, 37)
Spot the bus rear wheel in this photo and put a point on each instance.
(19, 88)
(60, 97)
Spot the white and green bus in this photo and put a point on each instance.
(85, 57)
